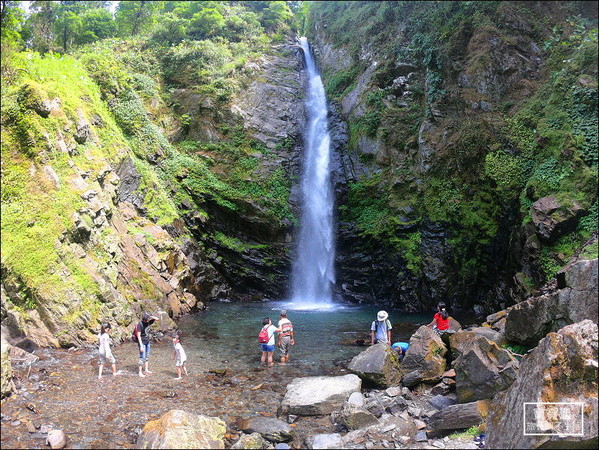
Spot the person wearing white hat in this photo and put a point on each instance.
(380, 330)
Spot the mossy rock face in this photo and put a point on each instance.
(32, 96)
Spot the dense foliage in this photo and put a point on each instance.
(521, 148)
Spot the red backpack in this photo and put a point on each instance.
(263, 336)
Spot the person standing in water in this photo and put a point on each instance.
(286, 337)
(180, 357)
(268, 347)
(143, 339)
(104, 349)
(380, 330)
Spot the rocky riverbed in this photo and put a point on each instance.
(62, 391)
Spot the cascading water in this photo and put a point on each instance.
(313, 268)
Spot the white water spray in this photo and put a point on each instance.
(313, 268)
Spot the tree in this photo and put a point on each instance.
(136, 17)
(39, 27)
(206, 23)
(96, 24)
(12, 19)
(276, 16)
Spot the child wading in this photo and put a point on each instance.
(104, 349)
(440, 321)
(180, 356)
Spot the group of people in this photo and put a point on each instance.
(380, 332)
(143, 340)
(286, 339)
(380, 329)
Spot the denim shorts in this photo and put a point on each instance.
(268, 348)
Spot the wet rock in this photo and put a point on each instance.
(377, 364)
(56, 439)
(318, 395)
(563, 368)
(180, 429)
(271, 429)
(457, 417)
(393, 391)
(251, 441)
(424, 360)
(441, 389)
(326, 441)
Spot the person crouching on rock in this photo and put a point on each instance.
(380, 330)
(440, 321)
(179, 356)
(143, 339)
(104, 349)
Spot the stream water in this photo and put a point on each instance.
(225, 379)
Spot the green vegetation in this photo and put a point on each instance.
(466, 434)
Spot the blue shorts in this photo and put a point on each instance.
(268, 348)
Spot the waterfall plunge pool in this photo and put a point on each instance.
(227, 333)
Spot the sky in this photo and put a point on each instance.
(25, 6)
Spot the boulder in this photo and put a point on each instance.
(552, 219)
(324, 441)
(529, 321)
(424, 360)
(483, 369)
(180, 429)
(377, 364)
(251, 441)
(355, 417)
(313, 396)
(457, 417)
(562, 369)
(271, 429)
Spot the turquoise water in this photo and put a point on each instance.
(227, 333)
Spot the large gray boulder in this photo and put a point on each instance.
(483, 369)
(562, 369)
(529, 321)
(425, 358)
(314, 396)
(377, 364)
(180, 429)
(457, 417)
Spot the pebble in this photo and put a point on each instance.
(30, 427)
(404, 439)
(15, 423)
(388, 428)
(438, 444)
(419, 424)
(421, 437)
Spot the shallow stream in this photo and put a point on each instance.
(226, 379)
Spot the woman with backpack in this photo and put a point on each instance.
(440, 321)
(266, 337)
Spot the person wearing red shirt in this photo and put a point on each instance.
(440, 321)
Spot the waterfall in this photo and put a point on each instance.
(313, 266)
